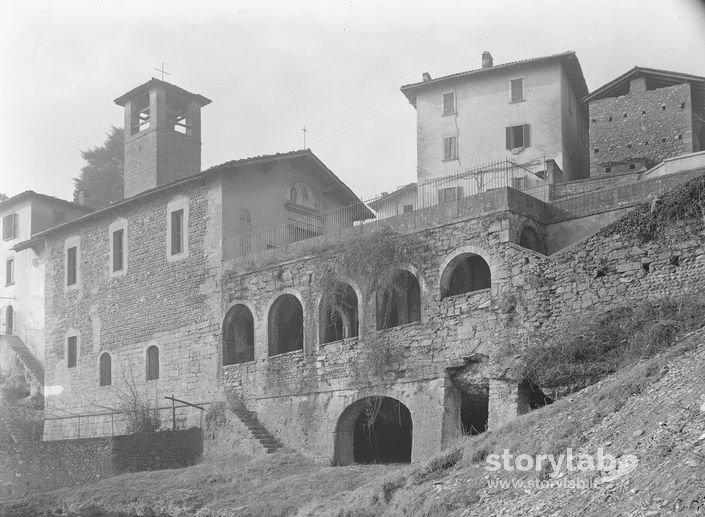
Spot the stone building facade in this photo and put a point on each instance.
(324, 317)
(644, 117)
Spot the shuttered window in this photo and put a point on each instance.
(449, 103)
(518, 136)
(517, 87)
(450, 148)
(10, 225)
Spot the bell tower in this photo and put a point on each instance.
(162, 135)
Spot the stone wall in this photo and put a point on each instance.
(60, 463)
(654, 124)
(157, 301)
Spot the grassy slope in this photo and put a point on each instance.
(664, 397)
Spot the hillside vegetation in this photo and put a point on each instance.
(651, 408)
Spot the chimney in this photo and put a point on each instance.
(486, 60)
(426, 77)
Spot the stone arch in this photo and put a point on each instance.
(338, 313)
(285, 324)
(398, 300)
(238, 335)
(385, 438)
(530, 238)
(464, 272)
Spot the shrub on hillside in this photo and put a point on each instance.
(589, 350)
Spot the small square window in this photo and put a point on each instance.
(10, 272)
(71, 351)
(450, 148)
(609, 119)
(10, 225)
(447, 195)
(408, 208)
(449, 103)
(595, 151)
(608, 169)
(632, 166)
(517, 88)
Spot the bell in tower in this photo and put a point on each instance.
(162, 135)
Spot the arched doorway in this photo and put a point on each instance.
(286, 325)
(338, 318)
(531, 240)
(374, 430)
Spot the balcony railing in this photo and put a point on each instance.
(447, 189)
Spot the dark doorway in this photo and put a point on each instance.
(474, 410)
(531, 240)
(375, 429)
(383, 432)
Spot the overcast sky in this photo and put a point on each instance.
(273, 67)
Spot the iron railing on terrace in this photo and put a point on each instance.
(302, 224)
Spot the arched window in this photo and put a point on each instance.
(152, 363)
(399, 302)
(286, 325)
(531, 240)
(105, 370)
(465, 273)
(338, 314)
(9, 319)
(238, 336)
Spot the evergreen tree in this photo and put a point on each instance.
(101, 179)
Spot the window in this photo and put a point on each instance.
(10, 225)
(449, 103)
(177, 232)
(286, 325)
(10, 272)
(118, 249)
(408, 208)
(465, 273)
(9, 320)
(450, 148)
(518, 137)
(152, 363)
(71, 351)
(72, 265)
(448, 195)
(517, 88)
(105, 370)
(399, 302)
(177, 229)
(238, 335)
(338, 316)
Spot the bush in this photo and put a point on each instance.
(594, 348)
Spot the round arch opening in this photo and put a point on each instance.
(465, 273)
(374, 430)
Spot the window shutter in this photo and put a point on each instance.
(510, 144)
(527, 142)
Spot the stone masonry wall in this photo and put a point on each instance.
(654, 124)
(167, 303)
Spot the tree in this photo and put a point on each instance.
(3, 197)
(101, 181)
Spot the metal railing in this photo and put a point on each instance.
(302, 225)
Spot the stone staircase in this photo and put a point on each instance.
(254, 426)
(25, 355)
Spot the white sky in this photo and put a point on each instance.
(273, 67)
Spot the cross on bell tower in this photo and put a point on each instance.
(162, 135)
